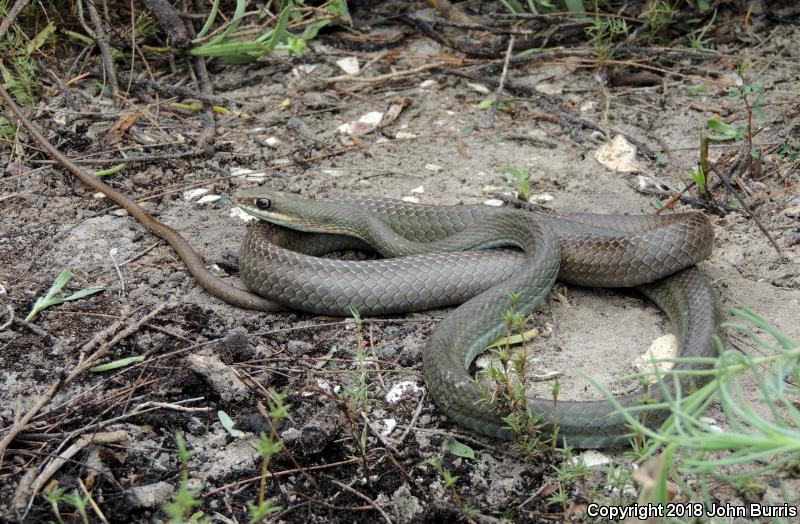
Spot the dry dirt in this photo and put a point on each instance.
(439, 143)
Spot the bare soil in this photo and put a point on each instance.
(440, 143)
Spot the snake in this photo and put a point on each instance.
(281, 263)
(474, 255)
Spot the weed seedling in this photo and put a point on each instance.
(50, 299)
(78, 502)
(179, 510)
(510, 394)
(449, 481)
(519, 179)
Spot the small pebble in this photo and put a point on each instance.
(400, 389)
(388, 425)
(349, 65)
(480, 88)
(208, 199)
(194, 194)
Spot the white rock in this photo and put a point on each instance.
(400, 389)
(373, 117)
(541, 197)
(493, 202)
(249, 174)
(425, 84)
(592, 458)
(411, 199)
(345, 129)
(272, 141)
(587, 106)
(194, 194)
(363, 125)
(349, 65)
(433, 167)
(120, 213)
(618, 155)
(388, 425)
(98, 196)
(403, 135)
(237, 212)
(549, 88)
(664, 347)
(480, 88)
(303, 69)
(418, 189)
(208, 199)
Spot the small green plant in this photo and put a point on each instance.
(543, 6)
(179, 510)
(559, 498)
(519, 179)
(357, 391)
(603, 31)
(510, 387)
(618, 479)
(752, 96)
(450, 485)
(79, 502)
(53, 496)
(50, 298)
(699, 178)
(502, 104)
(233, 48)
(697, 39)
(789, 152)
(17, 67)
(660, 15)
(268, 446)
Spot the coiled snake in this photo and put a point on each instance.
(655, 254)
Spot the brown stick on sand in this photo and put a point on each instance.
(194, 263)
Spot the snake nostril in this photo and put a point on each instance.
(263, 203)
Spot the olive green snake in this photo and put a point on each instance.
(436, 263)
(654, 254)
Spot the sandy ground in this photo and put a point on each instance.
(437, 151)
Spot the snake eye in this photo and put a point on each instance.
(263, 203)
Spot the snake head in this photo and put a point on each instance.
(295, 212)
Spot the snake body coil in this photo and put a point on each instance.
(652, 253)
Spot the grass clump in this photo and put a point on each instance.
(756, 444)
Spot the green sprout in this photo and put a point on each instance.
(50, 299)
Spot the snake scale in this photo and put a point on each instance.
(437, 264)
